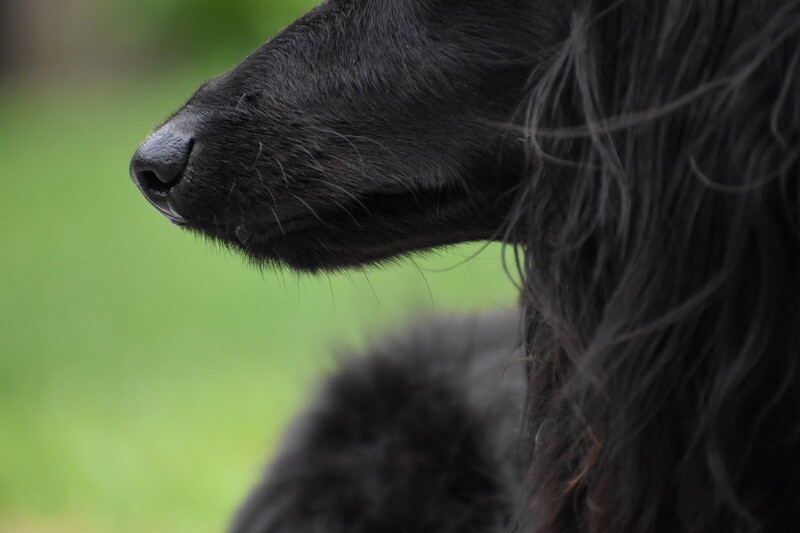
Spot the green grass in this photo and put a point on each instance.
(145, 374)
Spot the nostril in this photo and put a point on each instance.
(152, 180)
(159, 162)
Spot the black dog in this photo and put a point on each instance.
(642, 157)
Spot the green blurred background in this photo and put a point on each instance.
(145, 374)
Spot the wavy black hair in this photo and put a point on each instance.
(659, 244)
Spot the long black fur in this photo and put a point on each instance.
(641, 156)
(419, 434)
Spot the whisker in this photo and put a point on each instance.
(311, 209)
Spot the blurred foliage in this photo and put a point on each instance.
(202, 27)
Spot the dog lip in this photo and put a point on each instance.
(280, 229)
(174, 218)
(160, 200)
(168, 211)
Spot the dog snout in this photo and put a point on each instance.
(159, 162)
(158, 166)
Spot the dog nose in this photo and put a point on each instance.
(158, 164)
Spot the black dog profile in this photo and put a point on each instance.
(642, 158)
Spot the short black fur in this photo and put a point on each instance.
(641, 156)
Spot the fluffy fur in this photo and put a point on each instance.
(641, 157)
(419, 434)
